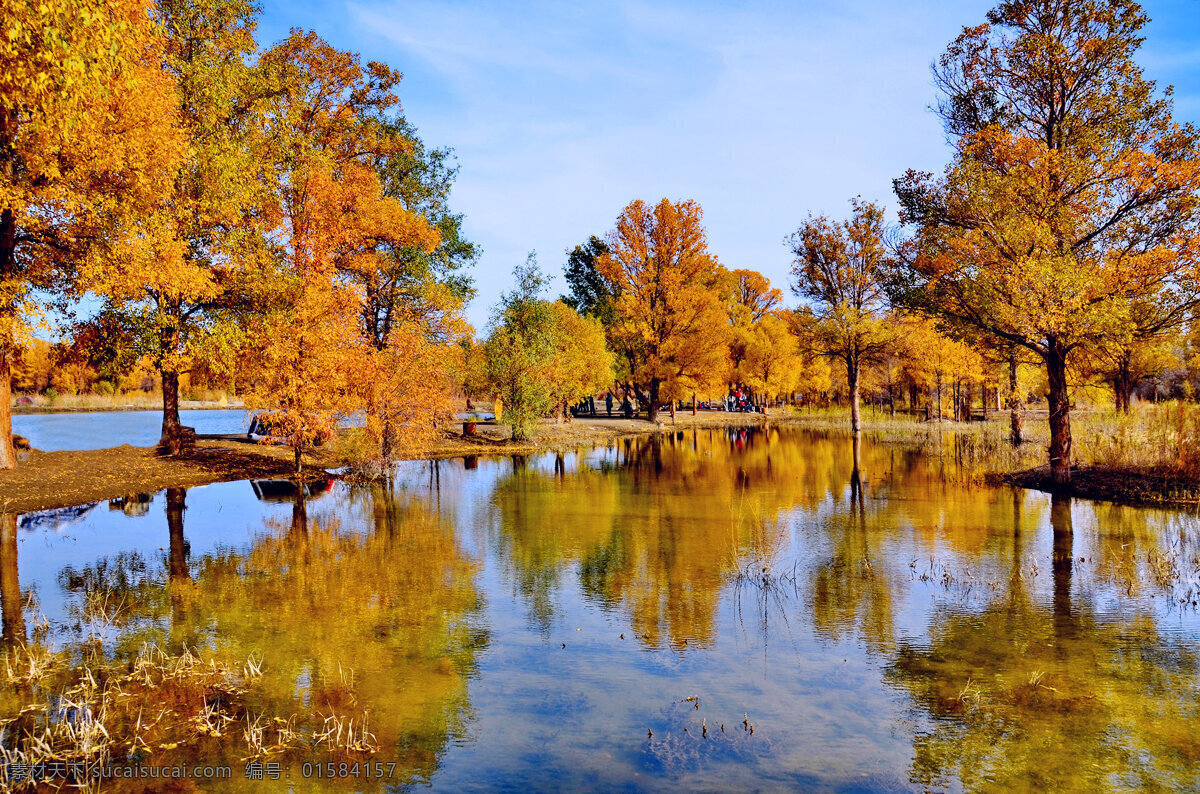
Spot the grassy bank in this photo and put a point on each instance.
(46, 480)
(1149, 456)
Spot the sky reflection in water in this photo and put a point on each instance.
(881, 626)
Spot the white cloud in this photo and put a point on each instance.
(561, 113)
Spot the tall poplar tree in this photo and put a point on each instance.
(668, 322)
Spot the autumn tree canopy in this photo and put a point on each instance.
(668, 323)
(840, 269)
(86, 135)
(313, 361)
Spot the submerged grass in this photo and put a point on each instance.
(79, 710)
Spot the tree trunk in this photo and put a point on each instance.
(8, 456)
(1123, 383)
(296, 445)
(693, 403)
(1060, 414)
(387, 441)
(8, 275)
(652, 401)
(177, 555)
(852, 380)
(11, 604)
(939, 396)
(171, 440)
(1016, 418)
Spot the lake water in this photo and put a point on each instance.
(104, 429)
(735, 610)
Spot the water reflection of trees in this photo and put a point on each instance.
(660, 524)
(364, 608)
(1050, 692)
(1027, 671)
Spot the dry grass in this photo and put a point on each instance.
(81, 711)
(1151, 455)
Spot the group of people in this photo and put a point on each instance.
(587, 406)
(741, 402)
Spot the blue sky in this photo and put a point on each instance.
(560, 113)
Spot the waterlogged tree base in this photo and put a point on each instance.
(1158, 485)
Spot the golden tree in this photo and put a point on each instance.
(179, 266)
(840, 269)
(772, 364)
(1072, 196)
(310, 360)
(86, 135)
(669, 321)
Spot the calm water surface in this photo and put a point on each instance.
(103, 429)
(881, 626)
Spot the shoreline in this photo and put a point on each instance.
(52, 480)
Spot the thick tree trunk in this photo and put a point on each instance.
(693, 403)
(296, 451)
(652, 406)
(1016, 418)
(1060, 414)
(171, 440)
(852, 379)
(8, 275)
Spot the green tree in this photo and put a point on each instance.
(519, 348)
(592, 295)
